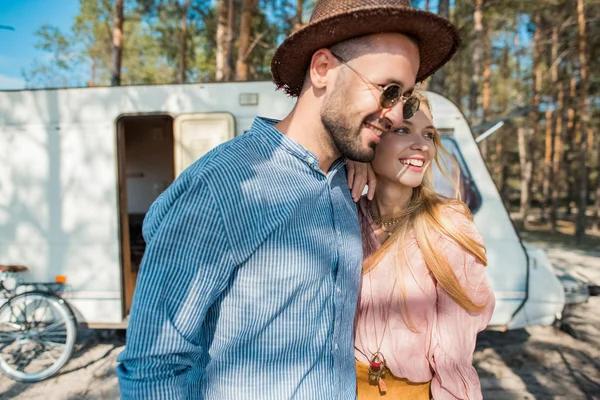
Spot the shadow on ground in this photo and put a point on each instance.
(108, 340)
(549, 364)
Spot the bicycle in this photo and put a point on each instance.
(37, 327)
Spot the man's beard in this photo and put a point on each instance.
(344, 136)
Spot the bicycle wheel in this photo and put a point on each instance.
(37, 335)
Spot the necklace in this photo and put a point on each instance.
(386, 223)
(377, 367)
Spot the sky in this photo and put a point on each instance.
(17, 51)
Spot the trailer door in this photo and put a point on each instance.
(196, 134)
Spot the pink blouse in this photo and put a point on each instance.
(441, 351)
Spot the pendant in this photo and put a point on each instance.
(377, 371)
(382, 386)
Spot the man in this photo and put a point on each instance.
(250, 279)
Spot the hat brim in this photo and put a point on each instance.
(438, 41)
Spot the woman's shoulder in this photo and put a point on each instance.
(458, 216)
(457, 213)
(461, 242)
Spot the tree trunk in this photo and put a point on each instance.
(444, 8)
(222, 34)
(92, 81)
(559, 134)
(584, 108)
(230, 37)
(117, 43)
(596, 225)
(299, 11)
(535, 105)
(487, 73)
(183, 43)
(500, 161)
(458, 93)
(522, 142)
(551, 130)
(476, 60)
(569, 158)
(241, 68)
(438, 80)
(548, 156)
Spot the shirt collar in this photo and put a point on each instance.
(265, 127)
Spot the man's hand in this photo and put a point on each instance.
(359, 175)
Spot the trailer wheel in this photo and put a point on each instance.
(37, 336)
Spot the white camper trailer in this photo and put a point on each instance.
(81, 167)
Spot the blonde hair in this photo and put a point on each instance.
(423, 216)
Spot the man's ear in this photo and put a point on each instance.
(321, 64)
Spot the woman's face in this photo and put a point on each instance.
(404, 155)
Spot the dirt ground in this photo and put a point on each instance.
(534, 363)
(545, 362)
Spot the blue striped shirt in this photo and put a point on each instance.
(250, 279)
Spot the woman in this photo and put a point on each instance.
(424, 294)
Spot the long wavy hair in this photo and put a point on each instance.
(424, 216)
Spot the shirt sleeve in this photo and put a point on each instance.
(455, 331)
(186, 266)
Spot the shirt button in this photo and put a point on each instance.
(310, 160)
(335, 346)
(337, 289)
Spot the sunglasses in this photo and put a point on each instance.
(390, 94)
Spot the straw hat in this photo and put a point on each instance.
(334, 21)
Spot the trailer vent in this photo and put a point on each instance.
(248, 99)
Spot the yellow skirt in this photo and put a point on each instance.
(397, 388)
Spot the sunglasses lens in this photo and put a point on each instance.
(390, 96)
(410, 107)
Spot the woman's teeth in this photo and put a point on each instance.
(414, 163)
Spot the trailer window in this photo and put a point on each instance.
(198, 133)
(468, 190)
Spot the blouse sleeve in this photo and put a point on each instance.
(455, 330)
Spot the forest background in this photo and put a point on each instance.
(533, 65)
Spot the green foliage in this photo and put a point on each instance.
(56, 70)
(152, 35)
(152, 39)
